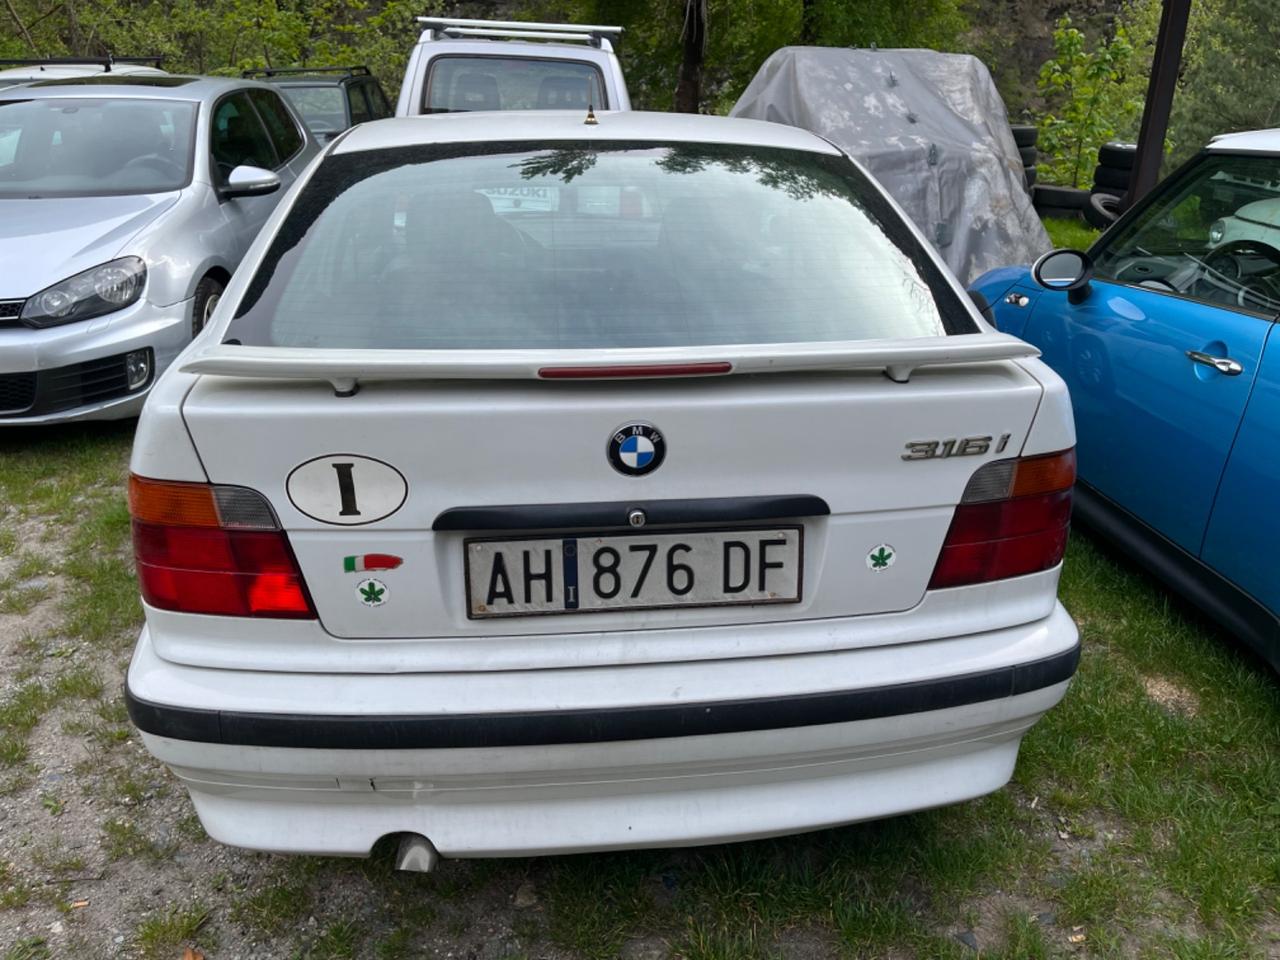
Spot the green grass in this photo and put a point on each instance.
(163, 935)
(1071, 234)
(282, 899)
(29, 948)
(52, 471)
(124, 839)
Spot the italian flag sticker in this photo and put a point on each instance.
(370, 561)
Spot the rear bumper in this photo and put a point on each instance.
(878, 732)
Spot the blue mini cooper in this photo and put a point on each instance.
(1164, 332)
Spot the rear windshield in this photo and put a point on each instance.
(458, 84)
(323, 108)
(590, 246)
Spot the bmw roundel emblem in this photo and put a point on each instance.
(637, 449)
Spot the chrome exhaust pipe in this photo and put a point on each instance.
(416, 853)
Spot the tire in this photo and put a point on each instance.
(1109, 191)
(208, 292)
(1111, 177)
(1068, 198)
(1025, 135)
(1118, 156)
(1030, 174)
(1057, 213)
(1103, 210)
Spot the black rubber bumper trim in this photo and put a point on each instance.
(569, 516)
(417, 732)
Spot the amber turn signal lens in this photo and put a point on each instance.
(171, 503)
(1045, 474)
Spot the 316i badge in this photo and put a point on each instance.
(636, 449)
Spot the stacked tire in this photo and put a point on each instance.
(1059, 203)
(1111, 179)
(1025, 136)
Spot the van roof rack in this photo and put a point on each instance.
(105, 62)
(356, 70)
(597, 36)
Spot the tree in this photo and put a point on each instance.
(1092, 100)
(1229, 74)
(693, 42)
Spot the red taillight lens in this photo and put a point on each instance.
(213, 550)
(1013, 520)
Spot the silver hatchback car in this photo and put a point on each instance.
(126, 202)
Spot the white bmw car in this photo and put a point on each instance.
(694, 502)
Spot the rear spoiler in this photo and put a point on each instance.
(345, 369)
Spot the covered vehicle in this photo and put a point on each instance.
(931, 127)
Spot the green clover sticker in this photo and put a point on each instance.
(373, 593)
(881, 557)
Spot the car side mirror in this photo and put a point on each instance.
(1069, 270)
(247, 181)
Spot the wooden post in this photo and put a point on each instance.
(1160, 90)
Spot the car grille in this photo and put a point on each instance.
(10, 311)
(63, 388)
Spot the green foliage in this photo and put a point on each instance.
(1229, 73)
(224, 36)
(1092, 98)
(163, 934)
(1096, 92)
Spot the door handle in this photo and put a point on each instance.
(1224, 365)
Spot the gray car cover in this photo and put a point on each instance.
(931, 127)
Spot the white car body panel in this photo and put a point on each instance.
(1259, 220)
(993, 657)
(528, 800)
(480, 432)
(303, 646)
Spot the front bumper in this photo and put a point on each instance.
(76, 372)
(734, 750)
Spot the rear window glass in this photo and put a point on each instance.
(456, 84)
(590, 246)
(323, 109)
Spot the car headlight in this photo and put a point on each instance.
(1217, 231)
(97, 291)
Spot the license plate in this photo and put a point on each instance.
(703, 568)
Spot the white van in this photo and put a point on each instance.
(465, 65)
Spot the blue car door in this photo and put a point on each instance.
(1244, 528)
(1161, 354)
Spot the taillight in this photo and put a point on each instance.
(1012, 520)
(211, 549)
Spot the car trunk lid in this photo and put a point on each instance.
(858, 472)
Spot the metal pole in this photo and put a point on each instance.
(1160, 90)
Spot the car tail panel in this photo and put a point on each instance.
(889, 461)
